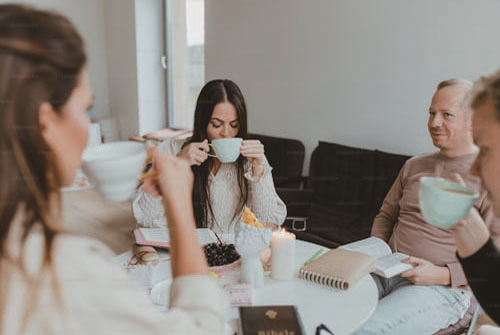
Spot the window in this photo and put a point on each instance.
(185, 34)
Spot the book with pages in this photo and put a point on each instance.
(387, 264)
(158, 237)
(338, 268)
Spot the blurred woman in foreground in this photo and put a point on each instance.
(478, 254)
(52, 282)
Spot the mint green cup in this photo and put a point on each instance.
(227, 150)
(443, 203)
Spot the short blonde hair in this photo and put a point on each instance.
(486, 87)
(454, 82)
(458, 82)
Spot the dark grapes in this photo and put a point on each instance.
(220, 254)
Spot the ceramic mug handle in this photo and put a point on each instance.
(210, 144)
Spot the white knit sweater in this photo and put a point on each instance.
(224, 197)
(98, 296)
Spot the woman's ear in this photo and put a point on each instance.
(47, 117)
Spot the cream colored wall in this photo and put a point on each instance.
(358, 72)
(124, 61)
(122, 66)
(89, 18)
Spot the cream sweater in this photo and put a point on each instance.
(99, 297)
(224, 197)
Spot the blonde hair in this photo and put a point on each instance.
(486, 87)
(458, 82)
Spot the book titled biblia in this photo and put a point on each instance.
(158, 237)
(387, 264)
(270, 320)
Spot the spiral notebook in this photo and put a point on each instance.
(338, 268)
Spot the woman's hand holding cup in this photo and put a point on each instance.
(173, 180)
(253, 150)
(195, 153)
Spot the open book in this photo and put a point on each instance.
(158, 237)
(388, 264)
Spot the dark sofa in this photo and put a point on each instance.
(286, 156)
(343, 193)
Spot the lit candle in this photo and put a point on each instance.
(282, 255)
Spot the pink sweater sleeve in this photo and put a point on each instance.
(384, 222)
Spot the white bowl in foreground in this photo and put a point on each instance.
(113, 168)
(443, 203)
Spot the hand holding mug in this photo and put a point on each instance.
(253, 150)
(173, 179)
(195, 153)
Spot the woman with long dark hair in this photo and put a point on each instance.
(53, 282)
(221, 190)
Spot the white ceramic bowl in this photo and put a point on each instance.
(113, 168)
(443, 203)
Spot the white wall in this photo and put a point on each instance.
(357, 72)
(88, 16)
(122, 65)
(108, 28)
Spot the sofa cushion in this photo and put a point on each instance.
(346, 188)
(286, 156)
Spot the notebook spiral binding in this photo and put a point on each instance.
(323, 279)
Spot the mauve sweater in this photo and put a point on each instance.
(401, 224)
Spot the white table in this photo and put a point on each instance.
(341, 311)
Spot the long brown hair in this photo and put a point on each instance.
(41, 57)
(213, 93)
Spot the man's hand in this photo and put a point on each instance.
(426, 273)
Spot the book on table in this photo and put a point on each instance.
(387, 264)
(158, 237)
(264, 320)
(345, 266)
(338, 268)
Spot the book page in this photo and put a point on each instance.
(160, 235)
(155, 234)
(372, 246)
(390, 265)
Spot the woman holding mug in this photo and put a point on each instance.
(221, 190)
(52, 282)
(477, 251)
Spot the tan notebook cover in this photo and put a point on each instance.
(338, 268)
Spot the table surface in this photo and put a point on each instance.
(341, 311)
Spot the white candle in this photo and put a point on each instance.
(282, 255)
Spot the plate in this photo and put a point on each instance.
(160, 293)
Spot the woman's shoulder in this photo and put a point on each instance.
(91, 257)
(77, 243)
(173, 145)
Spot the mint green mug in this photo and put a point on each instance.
(226, 150)
(443, 203)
